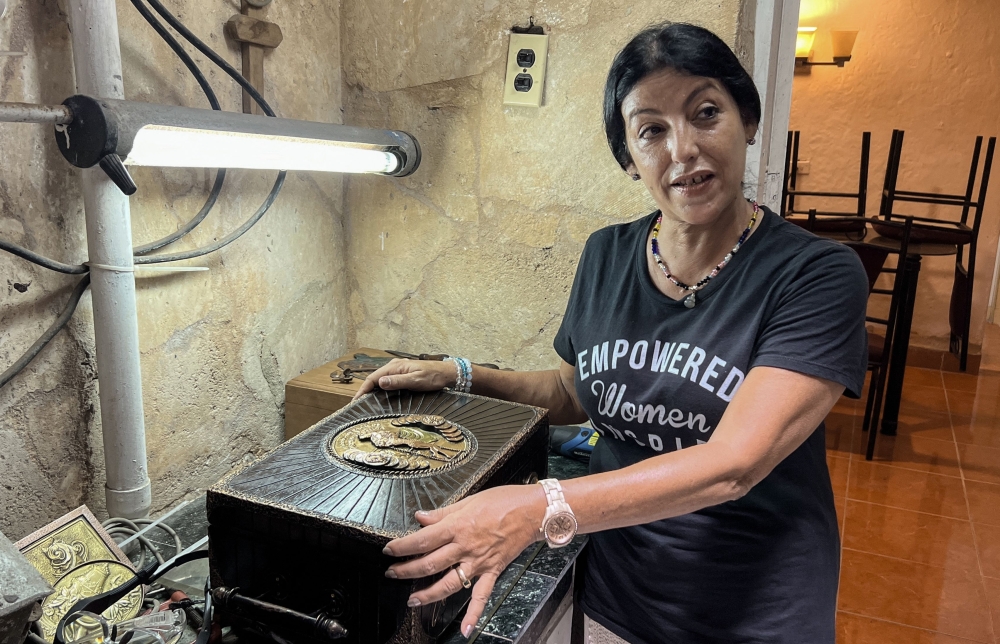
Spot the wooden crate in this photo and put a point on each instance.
(311, 397)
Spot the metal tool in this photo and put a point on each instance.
(435, 356)
(281, 619)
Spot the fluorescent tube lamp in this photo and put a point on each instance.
(114, 134)
(179, 147)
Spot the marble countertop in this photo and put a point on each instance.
(529, 591)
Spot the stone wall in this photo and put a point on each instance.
(218, 346)
(925, 67)
(475, 253)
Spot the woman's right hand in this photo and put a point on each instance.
(415, 375)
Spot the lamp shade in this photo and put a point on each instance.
(843, 44)
(110, 132)
(804, 42)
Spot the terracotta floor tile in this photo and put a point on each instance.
(855, 629)
(840, 503)
(958, 381)
(988, 540)
(838, 473)
(914, 536)
(850, 406)
(924, 425)
(993, 597)
(907, 489)
(840, 430)
(947, 600)
(976, 431)
(913, 452)
(984, 405)
(916, 377)
(984, 502)
(980, 463)
(920, 400)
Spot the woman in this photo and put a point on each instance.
(706, 342)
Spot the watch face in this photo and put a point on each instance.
(560, 529)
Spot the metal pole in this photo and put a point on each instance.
(31, 113)
(97, 60)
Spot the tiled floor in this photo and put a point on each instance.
(920, 524)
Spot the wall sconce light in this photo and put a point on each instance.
(804, 44)
(842, 45)
(114, 134)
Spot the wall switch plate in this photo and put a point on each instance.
(803, 166)
(525, 70)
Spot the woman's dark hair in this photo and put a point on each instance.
(686, 48)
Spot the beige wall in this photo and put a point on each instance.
(216, 347)
(483, 240)
(474, 254)
(927, 67)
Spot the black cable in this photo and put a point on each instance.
(211, 55)
(256, 96)
(50, 333)
(228, 239)
(220, 174)
(45, 262)
(146, 575)
(141, 251)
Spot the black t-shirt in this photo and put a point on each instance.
(654, 376)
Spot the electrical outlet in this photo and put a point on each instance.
(803, 166)
(525, 70)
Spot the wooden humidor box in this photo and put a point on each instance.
(304, 526)
(312, 396)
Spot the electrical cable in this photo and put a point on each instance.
(141, 256)
(131, 527)
(208, 52)
(140, 250)
(225, 241)
(220, 175)
(146, 575)
(45, 262)
(143, 541)
(178, 545)
(50, 333)
(211, 55)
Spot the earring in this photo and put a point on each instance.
(752, 140)
(635, 177)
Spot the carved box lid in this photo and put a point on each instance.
(366, 469)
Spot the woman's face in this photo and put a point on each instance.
(688, 144)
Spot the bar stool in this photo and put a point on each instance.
(828, 221)
(940, 231)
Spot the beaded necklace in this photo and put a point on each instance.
(690, 300)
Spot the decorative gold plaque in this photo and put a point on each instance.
(87, 580)
(63, 552)
(401, 445)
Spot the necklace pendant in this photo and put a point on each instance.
(689, 301)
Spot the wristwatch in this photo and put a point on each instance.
(559, 524)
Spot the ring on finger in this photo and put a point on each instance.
(461, 575)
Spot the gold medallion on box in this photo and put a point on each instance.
(405, 445)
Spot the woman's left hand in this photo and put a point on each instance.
(482, 533)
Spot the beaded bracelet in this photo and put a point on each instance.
(463, 380)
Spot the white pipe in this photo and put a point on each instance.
(98, 64)
(31, 113)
